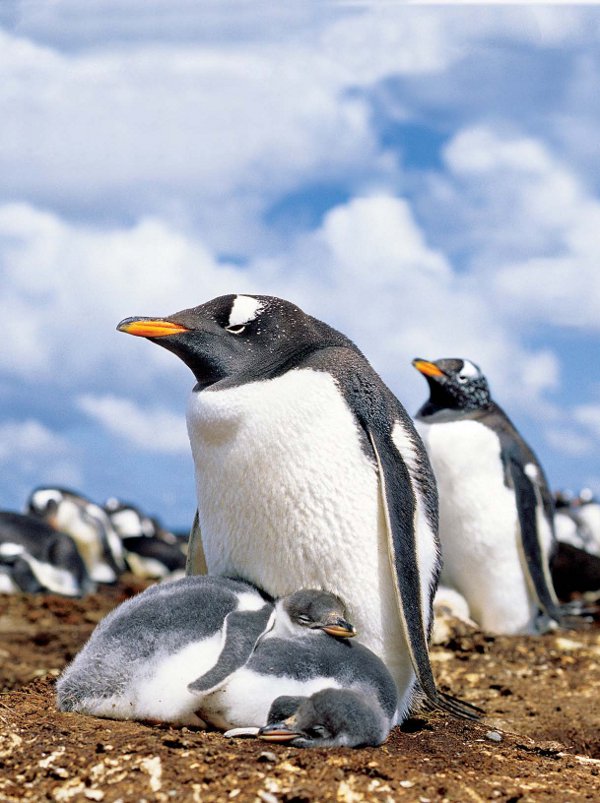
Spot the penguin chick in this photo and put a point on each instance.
(496, 511)
(313, 609)
(329, 718)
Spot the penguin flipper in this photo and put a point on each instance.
(538, 571)
(196, 559)
(242, 629)
(400, 507)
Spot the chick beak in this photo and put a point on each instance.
(280, 731)
(339, 627)
(427, 368)
(150, 327)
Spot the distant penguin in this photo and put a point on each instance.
(309, 472)
(146, 553)
(329, 718)
(496, 512)
(36, 558)
(87, 524)
(588, 511)
(163, 653)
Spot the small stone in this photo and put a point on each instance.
(267, 756)
(493, 736)
(406, 784)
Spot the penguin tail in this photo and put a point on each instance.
(454, 706)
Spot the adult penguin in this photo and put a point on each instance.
(309, 472)
(496, 511)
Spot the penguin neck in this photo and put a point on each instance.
(433, 413)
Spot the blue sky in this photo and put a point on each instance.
(424, 178)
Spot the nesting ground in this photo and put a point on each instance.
(539, 742)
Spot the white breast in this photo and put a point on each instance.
(247, 696)
(479, 527)
(288, 499)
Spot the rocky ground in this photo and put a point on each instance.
(540, 740)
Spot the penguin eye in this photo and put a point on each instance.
(318, 732)
(304, 620)
(462, 379)
(236, 330)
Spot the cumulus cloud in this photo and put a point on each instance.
(151, 429)
(31, 454)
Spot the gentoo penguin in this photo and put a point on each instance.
(496, 513)
(159, 654)
(309, 472)
(35, 557)
(87, 524)
(329, 718)
(146, 553)
(588, 511)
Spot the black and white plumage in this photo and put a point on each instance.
(309, 471)
(147, 552)
(87, 524)
(36, 558)
(178, 652)
(329, 718)
(496, 511)
(140, 659)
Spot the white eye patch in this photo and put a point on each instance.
(469, 371)
(243, 310)
(40, 499)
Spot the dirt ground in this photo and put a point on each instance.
(540, 740)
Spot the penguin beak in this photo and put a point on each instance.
(427, 368)
(150, 327)
(339, 627)
(280, 731)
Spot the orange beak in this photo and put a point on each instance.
(427, 368)
(150, 327)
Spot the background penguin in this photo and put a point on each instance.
(87, 524)
(309, 472)
(35, 557)
(588, 511)
(329, 718)
(496, 513)
(147, 552)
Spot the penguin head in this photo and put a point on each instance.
(236, 337)
(128, 520)
(455, 384)
(315, 610)
(330, 718)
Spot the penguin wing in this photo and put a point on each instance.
(528, 496)
(400, 507)
(242, 630)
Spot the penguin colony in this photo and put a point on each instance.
(310, 474)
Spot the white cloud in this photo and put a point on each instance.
(588, 415)
(570, 442)
(20, 439)
(151, 429)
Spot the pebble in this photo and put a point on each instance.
(493, 736)
(267, 756)
(406, 784)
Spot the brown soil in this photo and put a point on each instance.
(539, 742)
